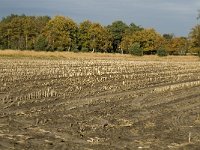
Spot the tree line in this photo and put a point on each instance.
(64, 34)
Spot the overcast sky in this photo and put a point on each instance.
(166, 16)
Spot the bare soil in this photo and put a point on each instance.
(99, 104)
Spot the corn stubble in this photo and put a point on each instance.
(98, 104)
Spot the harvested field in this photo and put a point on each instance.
(99, 104)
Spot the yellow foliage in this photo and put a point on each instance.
(148, 39)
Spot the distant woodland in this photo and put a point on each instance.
(60, 33)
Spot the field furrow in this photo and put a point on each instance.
(99, 104)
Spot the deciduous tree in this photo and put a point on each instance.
(84, 36)
(100, 38)
(61, 33)
(117, 29)
(195, 38)
(148, 39)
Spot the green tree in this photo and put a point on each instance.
(168, 36)
(117, 29)
(162, 52)
(3, 42)
(9, 18)
(132, 28)
(41, 43)
(136, 50)
(126, 39)
(1, 37)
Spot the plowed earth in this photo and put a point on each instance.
(99, 104)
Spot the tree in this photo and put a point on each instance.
(195, 38)
(148, 39)
(135, 49)
(41, 22)
(20, 32)
(41, 43)
(84, 37)
(117, 30)
(61, 33)
(126, 39)
(162, 52)
(198, 16)
(3, 40)
(179, 45)
(15, 33)
(168, 36)
(100, 38)
(9, 18)
(132, 28)
(126, 43)
(1, 37)
(29, 31)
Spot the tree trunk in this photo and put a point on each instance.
(8, 42)
(26, 42)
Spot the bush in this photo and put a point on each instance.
(162, 52)
(84, 49)
(135, 49)
(41, 43)
(2, 47)
(198, 53)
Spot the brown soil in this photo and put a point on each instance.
(99, 104)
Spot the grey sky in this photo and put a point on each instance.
(166, 16)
